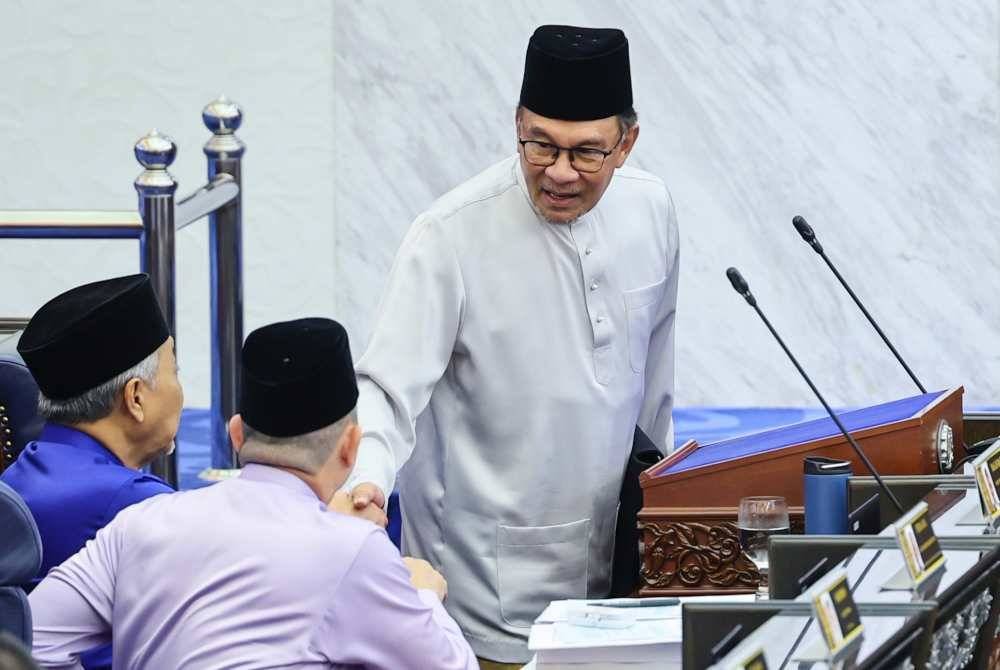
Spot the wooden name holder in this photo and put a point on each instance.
(690, 499)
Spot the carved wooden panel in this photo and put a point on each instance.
(691, 551)
(695, 556)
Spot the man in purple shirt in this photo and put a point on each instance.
(258, 571)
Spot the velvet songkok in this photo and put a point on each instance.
(298, 377)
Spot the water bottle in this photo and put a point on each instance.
(826, 495)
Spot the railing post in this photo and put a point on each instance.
(225, 153)
(156, 187)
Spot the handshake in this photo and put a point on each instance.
(367, 501)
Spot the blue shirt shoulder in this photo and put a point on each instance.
(74, 486)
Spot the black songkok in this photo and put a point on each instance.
(577, 74)
(87, 335)
(298, 377)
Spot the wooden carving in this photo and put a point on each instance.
(696, 551)
(695, 556)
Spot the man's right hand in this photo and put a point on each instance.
(342, 502)
(365, 494)
(423, 576)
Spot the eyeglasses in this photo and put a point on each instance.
(583, 159)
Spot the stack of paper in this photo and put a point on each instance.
(592, 634)
(570, 635)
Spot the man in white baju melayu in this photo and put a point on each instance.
(526, 329)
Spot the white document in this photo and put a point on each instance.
(646, 641)
(655, 665)
(559, 610)
(652, 636)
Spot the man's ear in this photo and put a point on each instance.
(347, 447)
(628, 142)
(236, 431)
(133, 400)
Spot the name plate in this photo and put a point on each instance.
(744, 657)
(987, 470)
(836, 612)
(755, 661)
(921, 550)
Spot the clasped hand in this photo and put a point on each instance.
(365, 501)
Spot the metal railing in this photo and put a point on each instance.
(12, 325)
(158, 218)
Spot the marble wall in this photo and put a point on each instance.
(878, 121)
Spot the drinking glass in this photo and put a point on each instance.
(760, 517)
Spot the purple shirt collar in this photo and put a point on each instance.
(257, 472)
(63, 434)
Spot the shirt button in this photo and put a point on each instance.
(593, 285)
(599, 319)
(588, 251)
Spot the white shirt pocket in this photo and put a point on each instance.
(539, 564)
(640, 310)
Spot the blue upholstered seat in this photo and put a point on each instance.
(19, 420)
(20, 559)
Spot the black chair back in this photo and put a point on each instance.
(793, 557)
(704, 625)
(908, 489)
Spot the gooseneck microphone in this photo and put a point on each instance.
(741, 287)
(806, 231)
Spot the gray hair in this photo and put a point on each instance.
(98, 402)
(308, 452)
(628, 120)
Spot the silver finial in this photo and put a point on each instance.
(222, 116)
(155, 151)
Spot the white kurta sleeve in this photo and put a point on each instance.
(415, 331)
(655, 416)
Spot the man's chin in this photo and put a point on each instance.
(555, 216)
(558, 217)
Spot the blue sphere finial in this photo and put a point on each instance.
(155, 151)
(222, 116)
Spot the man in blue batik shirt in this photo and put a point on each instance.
(104, 362)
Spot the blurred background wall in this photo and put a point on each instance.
(878, 122)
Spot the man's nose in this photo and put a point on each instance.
(562, 171)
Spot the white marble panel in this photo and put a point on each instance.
(876, 121)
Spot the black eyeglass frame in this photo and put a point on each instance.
(572, 151)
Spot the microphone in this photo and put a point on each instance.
(806, 231)
(741, 287)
